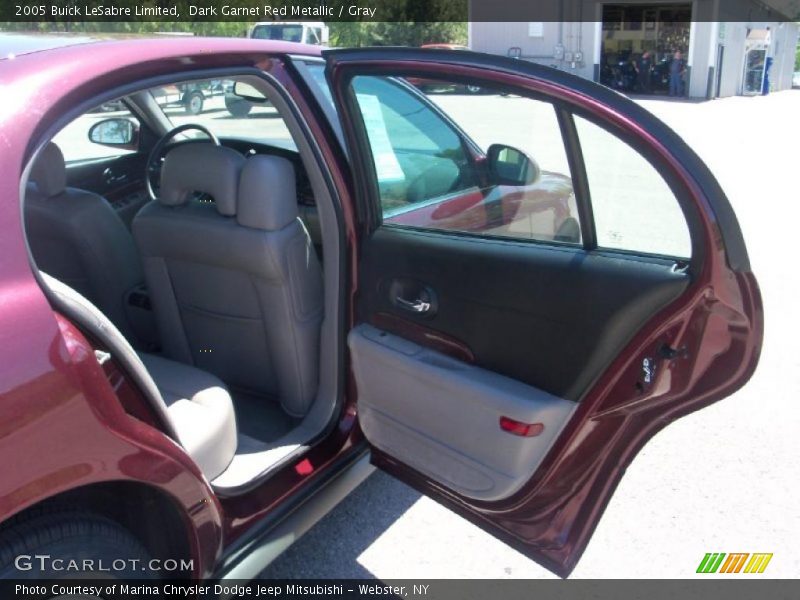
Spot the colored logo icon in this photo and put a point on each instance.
(740, 562)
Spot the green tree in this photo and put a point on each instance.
(397, 33)
(797, 58)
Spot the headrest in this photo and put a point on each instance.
(267, 195)
(200, 167)
(49, 172)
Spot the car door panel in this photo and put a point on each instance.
(119, 179)
(107, 176)
(631, 341)
(442, 416)
(552, 317)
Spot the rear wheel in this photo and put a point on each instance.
(62, 544)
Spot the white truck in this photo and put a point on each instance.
(305, 32)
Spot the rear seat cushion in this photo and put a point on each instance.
(196, 405)
(200, 409)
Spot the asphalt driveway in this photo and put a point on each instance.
(725, 479)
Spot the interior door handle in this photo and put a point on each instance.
(112, 179)
(416, 306)
(413, 297)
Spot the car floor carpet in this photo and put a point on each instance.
(261, 417)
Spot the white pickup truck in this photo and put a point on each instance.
(305, 32)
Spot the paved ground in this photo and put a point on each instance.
(724, 479)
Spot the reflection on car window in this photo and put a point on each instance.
(317, 72)
(418, 155)
(430, 171)
(212, 103)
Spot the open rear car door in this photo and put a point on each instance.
(510, 373)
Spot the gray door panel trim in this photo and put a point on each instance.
(441, 416)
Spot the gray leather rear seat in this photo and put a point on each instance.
(200, 408)
(195, 405)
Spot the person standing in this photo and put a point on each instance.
(644, 67)
(676, 71)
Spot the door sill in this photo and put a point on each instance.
(250, 555)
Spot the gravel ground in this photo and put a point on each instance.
(725, 479)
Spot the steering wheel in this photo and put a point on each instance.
(152, 167)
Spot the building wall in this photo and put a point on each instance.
(575, 37)
(733, 36)
(583, 39)
(786, 37)
(697, 59)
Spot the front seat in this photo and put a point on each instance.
(195, 406)
(236, 284)
(78, 238)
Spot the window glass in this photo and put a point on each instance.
(212, 103)
(634, 208)
(320, 83)
(286, 33)
(74, 140)
(467, 158)
(314, 35)
(417, 155)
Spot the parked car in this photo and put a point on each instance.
(314, 33)
(796, 79)
(210, 342)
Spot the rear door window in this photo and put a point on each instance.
(429, 142)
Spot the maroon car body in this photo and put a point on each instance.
(67, 426)
(55, 396)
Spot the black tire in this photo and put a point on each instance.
(193, 103)
(238, 108)
(71, 536)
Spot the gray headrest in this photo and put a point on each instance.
(267, 195)
(49, 172)
(205, 168)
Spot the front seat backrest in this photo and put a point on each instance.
(235, 283)
(78, 238)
